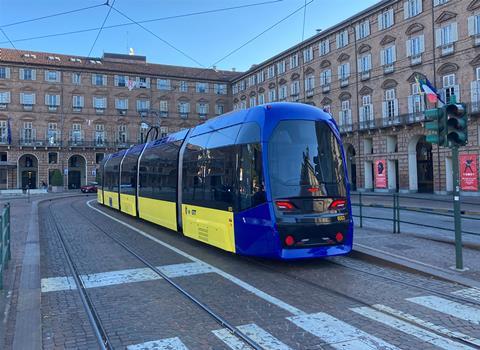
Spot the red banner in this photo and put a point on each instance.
(380, 173)
(468, 172)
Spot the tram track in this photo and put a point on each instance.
(93, 317)
(466, 340)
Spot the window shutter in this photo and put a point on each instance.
(340, 118)
(422, 43)
(104, 80)
(361, 113)
(438, 37)
(367, 28)
(420, 6)
(340, 72)
(338, 41)
(115, 80)
(7, 72)
(357, 31)
(474, 86)
(369, 61)
(329, 76)
(384, 109)
(46, 75)
(456, 89)
(46, 99)
(33, 98)
(395, 107)
(359, 65)
(380, 22)
(34, 74)
(471, 25)
(441, 92)
(454, 31)
(410, 104)
(382, 57)
(21, 98)
(59, 76)
(347, 69)
(405, 10)
(436, 2)
(148, 83)
(93, 79)
(21, 73)
(391, 17)
(409, 47)
(394, 53)
(346, 37)
(82, 100)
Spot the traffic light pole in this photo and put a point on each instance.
(456, 211)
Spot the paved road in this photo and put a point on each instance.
(323, 304)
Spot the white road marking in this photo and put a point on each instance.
(402, 326)
(427, 324)
(162, 344)
(338, 334)
(254, 332)
(449, 307)
(111, 278)
(269, 298)
(470, 293)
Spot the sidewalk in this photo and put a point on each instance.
(427, 253)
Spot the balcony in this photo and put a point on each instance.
(100, 110)
(391, 120)
(100, 143)
(122, 144)
(343, 82)
(365, 75)
(310, 92)
(184, 115)
(27, 107)
(76, 109)
(3, 105)
(202, 115)
(476, 39)
(163, 114)
(77, 143)
(121, 111)
(447, 49)
(3, 140)
(52, 108)
(326, 88)
(346, 128)
(416, 59)
(30, 142)
(388, 68)
(49, 142)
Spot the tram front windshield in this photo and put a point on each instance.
(305, 161)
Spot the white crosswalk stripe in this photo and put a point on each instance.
(470, 293)
(449, 307)
(409, 329)
(162, 344)
(110, 278)
(427, 324)
(254, 332)
(338, 334)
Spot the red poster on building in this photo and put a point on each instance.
(468, 172)
(380, 173)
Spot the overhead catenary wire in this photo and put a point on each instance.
(101, 27)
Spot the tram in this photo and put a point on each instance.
(269, 181)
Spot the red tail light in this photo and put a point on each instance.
(313, 189)
(338, 204)
(339, 236)
(289, 240)
(284, 205)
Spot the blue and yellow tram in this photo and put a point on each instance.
(269, 181)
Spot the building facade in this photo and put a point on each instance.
(66, 112)
(363, 72)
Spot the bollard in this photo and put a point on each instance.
(398, 213)
(394, 213)
(360, 205)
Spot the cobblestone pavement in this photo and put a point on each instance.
(334, 303)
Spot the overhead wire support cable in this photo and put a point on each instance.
(263, 32)
(158, 37)
(50, 16)
(110, 7)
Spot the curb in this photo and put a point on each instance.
(362, 251)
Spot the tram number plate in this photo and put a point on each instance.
(341, 218)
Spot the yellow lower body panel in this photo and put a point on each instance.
(100, 196)
(159, 212)
(211, 226)
(127, 204)
(110, 199)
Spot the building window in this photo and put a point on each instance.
(183, 87)
(342, 39)
(253, 101)
(163, 84)
(386, 19)
(142, 82)
(324, 47)
(3, 131)
(52, 101)
(202, 88)
(344, 72)
(219, 108)
(243, 104)
(450, 88)
(308, 54)
(78, 102)
(99, 157)
(293, 61)
(28, 133)
(326, 78)
(220, 89)
(261, 99)
(76, 78)
(76, 134)
(388, 57)
(366, 113)
(202, 110)
(121, 104)
(411, 8)
(251, 80)
(416, 103)
(52, 158)
(143, 105)
(439, 2)
(309, 85)
(122, 134)
(261, 76)
(415, 48)
(163, 131)
(271, 72)
(100, 135)
(28, 74)
(183, 109)
(120, 80)
(365, 66)
(272, 95)
(242, 85)
(282, 92)
(99, 102)
(345, 116)
(390, 108)
(4, 73)
(295, 88)
(281, 67)
(362, 30)
(53, 135)
(99, 80)
(27, 99)
(445, 38)
(163, 108)
(52, 76)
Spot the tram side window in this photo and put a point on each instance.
(128, 179)
(220, 174)
(250, 176)
(111, 175)
(158, 172)
(194, 170)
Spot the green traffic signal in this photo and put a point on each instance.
(457, 124)
(436, 121)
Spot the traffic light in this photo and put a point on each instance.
(436, 121)
(457, 124)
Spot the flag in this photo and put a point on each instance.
(131, 84)
(429, 90)
(9, 132)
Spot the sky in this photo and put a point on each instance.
(196, 41)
